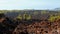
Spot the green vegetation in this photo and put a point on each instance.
(43, 12)
(28, 16)
(24, 16)
(35, 12)
(19, 17)
(53, 18)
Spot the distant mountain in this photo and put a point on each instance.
(57, 9)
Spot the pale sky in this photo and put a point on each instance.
(29, 4)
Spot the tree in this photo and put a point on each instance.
(26, 16)
(19, 17)
(43, 12)
(53, 18)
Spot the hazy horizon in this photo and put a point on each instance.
(29, 4)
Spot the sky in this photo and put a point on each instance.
(28, 4)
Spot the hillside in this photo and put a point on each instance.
(29, 22)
